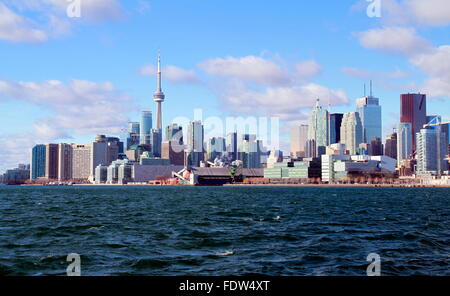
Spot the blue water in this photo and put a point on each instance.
(224, 231)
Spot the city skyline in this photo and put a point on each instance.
(72, 101)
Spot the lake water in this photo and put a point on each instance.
(224, 230)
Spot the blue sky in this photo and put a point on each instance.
(66, 79)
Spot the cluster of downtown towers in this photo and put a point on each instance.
(419, 143)
(358, 132)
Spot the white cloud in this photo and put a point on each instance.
(50, 18)
(16, 28)
(375, 75)
(394, 40)
(172, 73)
(80, 107)
(283, 102)
(249, 68)
(437, 65)
(308, 69)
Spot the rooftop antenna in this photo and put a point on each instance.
(364, 89)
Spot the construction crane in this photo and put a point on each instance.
(436, 121)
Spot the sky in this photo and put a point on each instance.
(65, 78)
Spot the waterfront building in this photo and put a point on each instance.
(369, 112)
(51, 161)
(37, 162)
(146, 127)
(413, 110)
(275, 156)
(64, 162)
(404, 142)
(112, 172)
(318, 127)
(101, 174)
(16, 176)
(390, 148)
(81, 159)
(308, 168)
(335, 127)
(104, 152)
(351, 131)
(342, 167)
(431, 152)
(299, 136)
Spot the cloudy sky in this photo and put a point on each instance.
(66, 79)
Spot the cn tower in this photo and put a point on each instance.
(158, 97)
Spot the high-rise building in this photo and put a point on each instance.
(390, 148)
(146, 127)
(437, 119)
(194, 149)
(159, 97)
(232, 146)
(37, 162)
(156, 142)
(351, 132)
(173, 151)
(250, 151)
(215, 148)
(133, 134)
(413, 109)
(376, 147)
(404, 142)
(318, 125)
(299, 136)
(51, 161)
(370, 113)
(103, 152)
(335, 127)
(431, 151)
(81, 159)
(174, 132)
(64, 162)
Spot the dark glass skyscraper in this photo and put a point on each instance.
(335, 127)
(413, 109)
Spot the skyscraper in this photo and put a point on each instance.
(215, 148)
(431, 151)
(318, 128)
(370, 113)
(390, 148)
(64, 162)
(133, 134)
(232, 146)
(413, 109)
(51, 161)
(335, 127)
(37, 162)
(156, 142)
(81, 159)
(103, 152)
(174, 132)
(299, 136)
(351, 131)
(404, 142)
(146, 127)
(250, 150)
(195, 138)
(159, 97)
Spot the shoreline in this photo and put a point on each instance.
(258, 185)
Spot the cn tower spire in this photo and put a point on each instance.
(159, 96)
